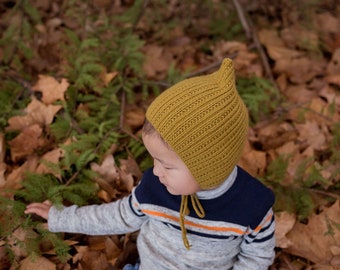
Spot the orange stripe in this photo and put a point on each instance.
(211, 228)
(258, 228)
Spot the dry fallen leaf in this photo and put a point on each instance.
(134, 117)
(312, 134)
(14, 178)
(319, 239)
(108, 77)
(253, 161)
(52, 157)
(108, 174)
(108, 169)
(37, 263)
(334, 65)
(51, 89)
(270, 37)
(157, 60)
(26, 143)
(36, 113)
(284, 223)
(3, 165)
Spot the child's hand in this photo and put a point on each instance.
(40, 209)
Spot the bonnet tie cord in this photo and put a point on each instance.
(196, 204)
(184, 210)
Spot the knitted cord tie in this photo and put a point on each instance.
(184, 210)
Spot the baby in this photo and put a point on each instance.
(195, 209)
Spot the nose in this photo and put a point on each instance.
(156, 168)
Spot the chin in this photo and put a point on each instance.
(172, 192)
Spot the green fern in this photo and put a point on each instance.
(259, 95)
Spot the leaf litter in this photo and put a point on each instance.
(302, 129)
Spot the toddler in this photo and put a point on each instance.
(195, 209)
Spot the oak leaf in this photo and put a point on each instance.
(26, 143)
(40, 263)
(318, 240)
(35, 113)
(51, 89)
(14, 178)
(51, 157)
(284, 223)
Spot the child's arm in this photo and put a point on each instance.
(40, 209)
(111, 218)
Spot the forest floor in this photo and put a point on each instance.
(293, 143)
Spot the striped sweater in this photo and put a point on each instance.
(236, 233)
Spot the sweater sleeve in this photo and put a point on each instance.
(118, 217)
(257, 248)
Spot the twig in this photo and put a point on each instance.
(122, 110)
(211, 66)
(251, 33)
(140, 15)
(75, 175)
(324, 193)
(287, 262)
(242, 18)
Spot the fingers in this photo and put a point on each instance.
(40, 209)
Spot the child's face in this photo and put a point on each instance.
(168, 166)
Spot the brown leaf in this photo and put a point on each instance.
(284, 223)
(36, 113)
(157, 60)
(93, 259)
(299, 94)
(275, 134)
(334, 65)
(128, 170)
(314, 241)
(296, 36)
(53, 157)
(51, 89)
(5, 262)
(312, 134)
(134, 117)
(270, 37)
(13, 180)
(130, 166)
(253, 161)
(333, 79)
(3, 165)
(328, 28)
(26, 143)
(19, 235)
(108, 77)
(126, 180)
(108, 169)
(299, 70)
(281, 53)
(37, 263)
(112, 250)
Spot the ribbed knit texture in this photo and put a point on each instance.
(204, 120)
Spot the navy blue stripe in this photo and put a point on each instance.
(139, 214)
(263, 229)
(261, 240)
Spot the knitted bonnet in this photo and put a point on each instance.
(204, 120)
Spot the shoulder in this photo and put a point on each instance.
(252, 189)
(245, 203)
